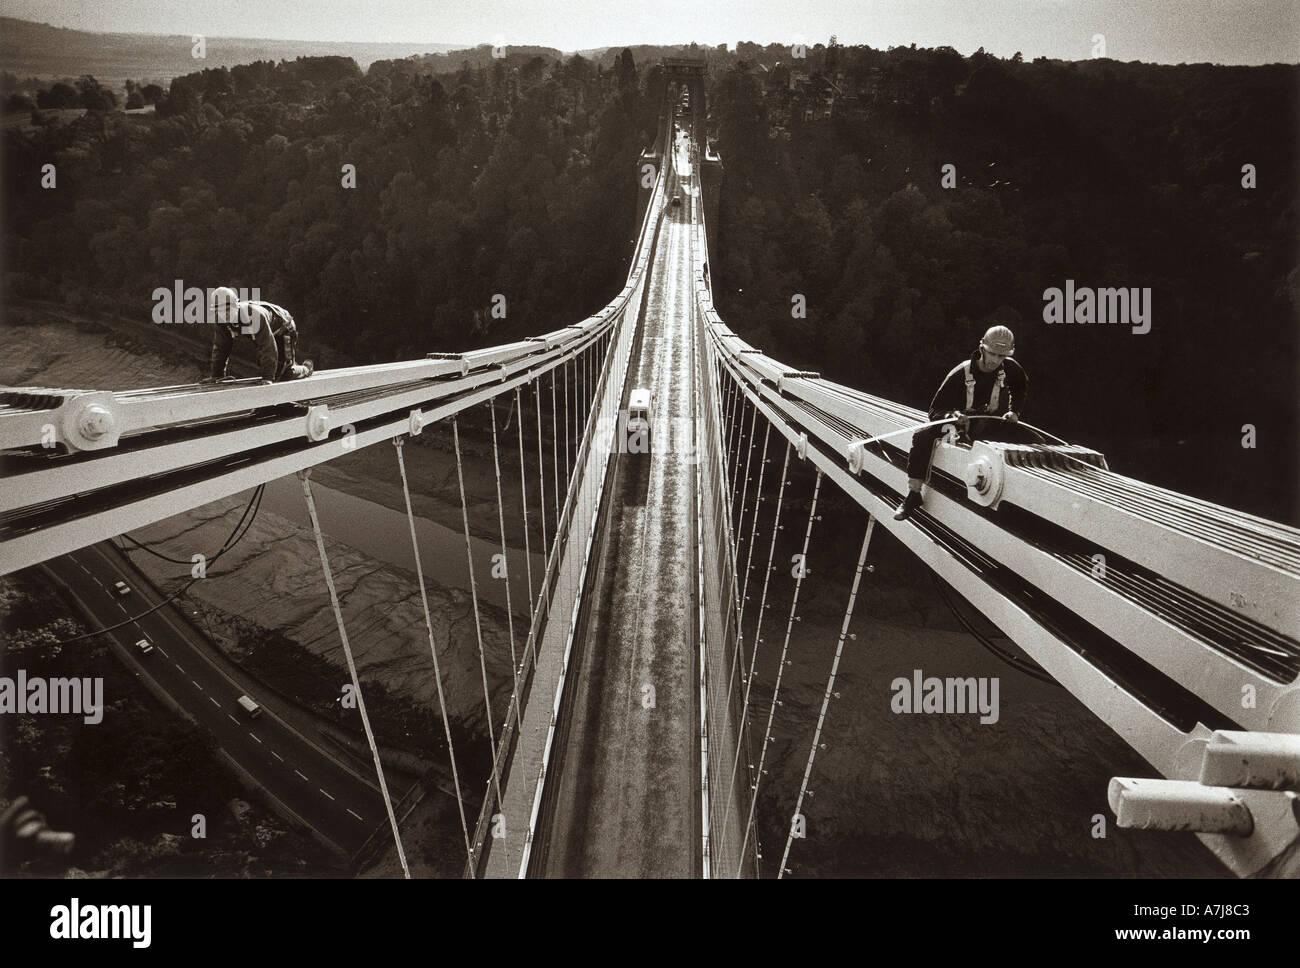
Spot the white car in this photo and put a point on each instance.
(639, 406)
(122, 588)
(144, 646)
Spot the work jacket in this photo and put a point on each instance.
(267, 325)
(968, 389)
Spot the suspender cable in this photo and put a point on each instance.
(729, 412)
(541, 473)
(568, 429)
(753, 534)
(495, 779)
(523, 503)
(785, 649)
(826, 697)
(437, 668)
(744, 490)
(746, 441)
(555, 456)
(505, 553)
(305, 478)
(758, 625)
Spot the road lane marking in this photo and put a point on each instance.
(233, 719)
(197, 686)
(214, 702)
(254, 735)
(165, 655)
(177, 665)
(300, 773)
(277, 756)
(357, 815)
(323, 791)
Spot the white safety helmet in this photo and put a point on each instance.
(999, 340)
(223, 305)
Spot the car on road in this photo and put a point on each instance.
(122, 588)
(144, 646)
(252, 709)
(639, 406)
(677, 200)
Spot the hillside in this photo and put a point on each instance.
(38, 50)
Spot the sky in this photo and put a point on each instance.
(1162, 31)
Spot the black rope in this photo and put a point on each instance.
(1027, 666)
(254, 504)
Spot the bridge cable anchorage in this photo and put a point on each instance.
(541, 483)
(523, 504)
(785, 649)
(758, 628)
(433, 651)
(830, 691)
(505, 554)
(495, 779)
(305, 478)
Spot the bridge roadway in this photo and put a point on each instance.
(627, 797)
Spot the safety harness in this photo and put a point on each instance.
(278, 318)
(970, 388)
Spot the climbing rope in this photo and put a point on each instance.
(437, 668)
(478, 628)
(785, 649)
(305, 478)
(826, 697)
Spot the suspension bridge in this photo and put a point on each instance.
(1172, 619)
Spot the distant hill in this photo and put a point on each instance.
(38, 50)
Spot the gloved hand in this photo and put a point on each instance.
(963, 422)
(1010, 417)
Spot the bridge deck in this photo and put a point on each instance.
(628, 795)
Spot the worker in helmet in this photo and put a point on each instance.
(269, 326)
(989, 384)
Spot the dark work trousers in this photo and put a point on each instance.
(918, 459)
(287, 344)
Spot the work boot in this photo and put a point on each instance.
(910, 504)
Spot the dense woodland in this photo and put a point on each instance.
(1106, 173)
(515, 176)
(513, 179)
